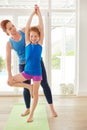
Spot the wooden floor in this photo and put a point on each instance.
(72, 112)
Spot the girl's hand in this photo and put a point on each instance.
(34, 12)
(36, 9)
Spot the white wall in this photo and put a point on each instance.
(82, 75)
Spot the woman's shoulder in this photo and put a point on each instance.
(21, 32)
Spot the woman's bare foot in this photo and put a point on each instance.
(26, 112)
(54, 113)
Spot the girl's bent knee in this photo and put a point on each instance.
(10, 83)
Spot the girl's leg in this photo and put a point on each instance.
(26, 93)
(47, 90)
(18, 81)
(36, 85)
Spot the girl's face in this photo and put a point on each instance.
(10, 28)
(34, 37)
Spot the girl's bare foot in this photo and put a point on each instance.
(27, 111)
(30, 119)
(54, 113)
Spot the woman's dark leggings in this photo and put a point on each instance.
(44, 84)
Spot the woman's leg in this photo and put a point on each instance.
(26, 93)
(36, 85)
(47, 90)
(27, 101)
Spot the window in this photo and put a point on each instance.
(60, 37)
(63, 37)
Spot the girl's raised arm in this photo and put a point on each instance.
(27, 38)
(41, 26)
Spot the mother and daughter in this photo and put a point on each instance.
(33, 68)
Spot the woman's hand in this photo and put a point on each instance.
(10, 80)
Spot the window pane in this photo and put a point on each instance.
(64, 19)
(24, 3)
(64, 4)
(63, 52)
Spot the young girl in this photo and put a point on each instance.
(33, 50)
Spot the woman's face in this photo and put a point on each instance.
(34, 37)
(10, 28)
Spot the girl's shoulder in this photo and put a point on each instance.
(40, 44)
